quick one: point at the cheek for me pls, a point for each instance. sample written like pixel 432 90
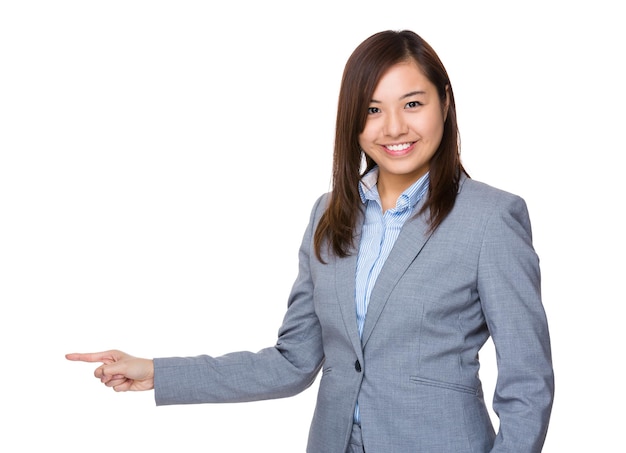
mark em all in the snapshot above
pixel 365 137
pixel 367 131
pixel 433 128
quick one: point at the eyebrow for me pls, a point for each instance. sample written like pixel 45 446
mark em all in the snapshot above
pixel 404 96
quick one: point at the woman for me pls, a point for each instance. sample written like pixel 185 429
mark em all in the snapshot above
pixel 406 269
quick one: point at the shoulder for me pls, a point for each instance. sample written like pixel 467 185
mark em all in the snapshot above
pixel 320 205
pixel 473 189
pixel 477 195
pixel 318 209
pixel 485 203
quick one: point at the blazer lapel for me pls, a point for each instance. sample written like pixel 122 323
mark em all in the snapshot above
pixel 345 284
pixel 410 242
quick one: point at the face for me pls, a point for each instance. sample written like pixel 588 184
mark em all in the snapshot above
pixel 404 125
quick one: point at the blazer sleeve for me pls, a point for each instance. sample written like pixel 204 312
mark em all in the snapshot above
pixel 510 293
pixel 282 370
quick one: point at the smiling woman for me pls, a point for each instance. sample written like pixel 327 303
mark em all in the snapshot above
pixel 406 269
pixel 403 129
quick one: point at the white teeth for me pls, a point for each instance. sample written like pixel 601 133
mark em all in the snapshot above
pixel 401 147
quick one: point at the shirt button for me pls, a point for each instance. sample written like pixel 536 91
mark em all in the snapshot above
pixel 357 366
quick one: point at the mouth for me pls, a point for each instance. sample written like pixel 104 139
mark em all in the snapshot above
pixel 399 149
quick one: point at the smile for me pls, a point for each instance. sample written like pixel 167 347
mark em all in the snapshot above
pixel 399 149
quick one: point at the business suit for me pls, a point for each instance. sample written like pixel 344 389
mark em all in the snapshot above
pixel 415 371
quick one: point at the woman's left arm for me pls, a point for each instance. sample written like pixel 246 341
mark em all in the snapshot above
pixel 509 286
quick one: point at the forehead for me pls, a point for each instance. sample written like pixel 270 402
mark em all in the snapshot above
pixel 402 75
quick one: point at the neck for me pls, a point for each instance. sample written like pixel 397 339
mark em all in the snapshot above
pixel 390 191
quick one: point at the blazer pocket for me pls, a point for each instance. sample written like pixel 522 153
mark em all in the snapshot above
pixel 444 385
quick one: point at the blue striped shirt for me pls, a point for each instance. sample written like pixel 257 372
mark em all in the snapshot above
pixel 379 234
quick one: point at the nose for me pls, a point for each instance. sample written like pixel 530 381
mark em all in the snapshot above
pixel 395 124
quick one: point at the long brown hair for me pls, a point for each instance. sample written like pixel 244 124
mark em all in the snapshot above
pixel 367 64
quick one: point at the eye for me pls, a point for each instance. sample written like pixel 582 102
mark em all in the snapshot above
pixel 413 104
pixel 373 110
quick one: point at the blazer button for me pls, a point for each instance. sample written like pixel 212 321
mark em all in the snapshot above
pixel 357 366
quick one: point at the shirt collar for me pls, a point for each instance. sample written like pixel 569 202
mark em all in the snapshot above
pixel 368 190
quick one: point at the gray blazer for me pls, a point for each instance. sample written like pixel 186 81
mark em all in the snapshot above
pixel 416 370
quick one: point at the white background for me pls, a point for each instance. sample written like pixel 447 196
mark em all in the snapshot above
pixel 158 161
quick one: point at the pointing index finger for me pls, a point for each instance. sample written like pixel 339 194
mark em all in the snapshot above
pixel 104 357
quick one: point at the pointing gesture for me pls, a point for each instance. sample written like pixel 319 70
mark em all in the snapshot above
pixel 119 370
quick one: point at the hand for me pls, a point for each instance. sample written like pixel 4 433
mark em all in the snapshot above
pixel 119 370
